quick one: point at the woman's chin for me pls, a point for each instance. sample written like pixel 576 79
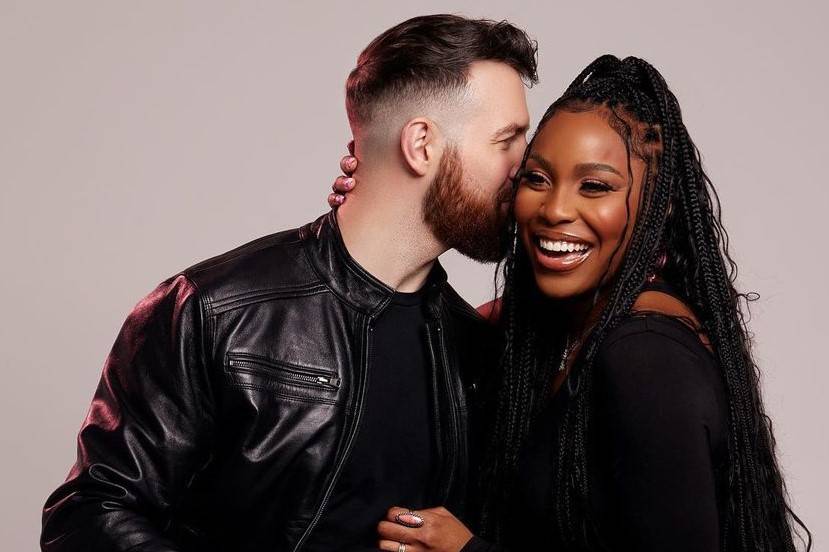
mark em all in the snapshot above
pixel 561 288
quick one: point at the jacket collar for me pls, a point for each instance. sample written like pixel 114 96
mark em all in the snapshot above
pixel 328 255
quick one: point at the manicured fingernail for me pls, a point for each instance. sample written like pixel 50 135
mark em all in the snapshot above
pixel 348 183
pixel 351 162
pixel 339 199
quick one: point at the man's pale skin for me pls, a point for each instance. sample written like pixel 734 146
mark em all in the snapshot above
pixel 399 157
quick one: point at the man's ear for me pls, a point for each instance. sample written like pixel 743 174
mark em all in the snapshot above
pixel 419 145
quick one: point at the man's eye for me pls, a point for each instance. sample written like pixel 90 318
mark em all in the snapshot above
pixel 594 186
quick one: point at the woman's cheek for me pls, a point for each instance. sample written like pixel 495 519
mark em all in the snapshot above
pixel 526 203
pixel 608 221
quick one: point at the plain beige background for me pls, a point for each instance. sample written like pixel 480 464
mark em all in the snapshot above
pixel 137 138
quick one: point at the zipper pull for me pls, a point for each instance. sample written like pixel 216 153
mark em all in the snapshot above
pixel 328 381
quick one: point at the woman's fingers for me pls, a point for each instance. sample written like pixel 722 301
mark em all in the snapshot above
pixel 390 530
pixel 348 164
pixel 335 200
pixel 394 546
pixel 394 511
pixel 343 184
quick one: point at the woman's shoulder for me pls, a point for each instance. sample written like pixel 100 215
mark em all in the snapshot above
pixel 663 298
pixel 491 311
pixel 656 357
pixel 653 374
pixel 652 332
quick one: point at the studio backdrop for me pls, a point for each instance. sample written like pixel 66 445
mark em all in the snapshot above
pixel 134 135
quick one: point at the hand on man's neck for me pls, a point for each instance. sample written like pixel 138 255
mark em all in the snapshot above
pixel 383 230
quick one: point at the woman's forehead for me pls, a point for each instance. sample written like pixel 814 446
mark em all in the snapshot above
pixel 584 136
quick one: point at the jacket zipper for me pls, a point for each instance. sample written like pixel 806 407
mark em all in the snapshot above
pixel 349 443
pixel 434 358
pixel 449 447
pixel 452 452
pixel 281 371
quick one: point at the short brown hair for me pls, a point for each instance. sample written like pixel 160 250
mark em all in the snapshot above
pixel 431 54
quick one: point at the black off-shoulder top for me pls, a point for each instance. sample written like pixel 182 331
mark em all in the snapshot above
pixel 657 454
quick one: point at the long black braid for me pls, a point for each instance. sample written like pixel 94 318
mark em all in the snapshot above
pixel 679 220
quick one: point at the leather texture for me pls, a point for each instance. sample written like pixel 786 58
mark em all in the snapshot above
pixel 231 397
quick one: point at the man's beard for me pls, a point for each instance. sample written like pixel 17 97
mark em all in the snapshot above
pixel 462 219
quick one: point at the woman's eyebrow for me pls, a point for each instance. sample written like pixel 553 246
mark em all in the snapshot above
pixel 582 168
pixel 546 165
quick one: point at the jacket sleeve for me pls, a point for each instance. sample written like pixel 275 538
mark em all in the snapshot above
pixel 145 433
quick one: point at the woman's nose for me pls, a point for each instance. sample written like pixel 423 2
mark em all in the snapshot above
pixel 559 206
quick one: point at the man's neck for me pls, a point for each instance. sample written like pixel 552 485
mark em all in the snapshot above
pixel 386 235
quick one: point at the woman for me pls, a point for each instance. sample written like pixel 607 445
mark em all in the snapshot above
pixel 627 412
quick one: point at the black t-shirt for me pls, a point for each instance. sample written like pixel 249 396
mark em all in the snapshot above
pixel 392 458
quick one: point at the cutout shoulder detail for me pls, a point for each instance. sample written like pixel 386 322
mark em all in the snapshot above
pixel 669 306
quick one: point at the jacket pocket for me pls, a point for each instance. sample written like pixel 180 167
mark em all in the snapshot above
pixel 257 372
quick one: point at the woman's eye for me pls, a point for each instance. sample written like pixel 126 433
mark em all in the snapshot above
pixel 594 186
pixel 534 180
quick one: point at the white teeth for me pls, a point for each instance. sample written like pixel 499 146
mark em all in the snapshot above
pixel 561 245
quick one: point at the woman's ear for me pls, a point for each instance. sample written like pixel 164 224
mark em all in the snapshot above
pixel 418 144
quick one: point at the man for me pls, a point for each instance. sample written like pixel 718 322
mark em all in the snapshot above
pixel 283 395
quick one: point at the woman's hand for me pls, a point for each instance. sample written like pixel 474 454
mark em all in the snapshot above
pixel 439 531
pixel 343 183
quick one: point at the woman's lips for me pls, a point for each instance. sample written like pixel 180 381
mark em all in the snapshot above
pixel 559 261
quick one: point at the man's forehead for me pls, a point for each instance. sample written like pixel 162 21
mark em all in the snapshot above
pixel 497 87
pixel 482 71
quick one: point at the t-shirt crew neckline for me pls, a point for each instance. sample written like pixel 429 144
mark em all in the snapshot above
pixel 409 298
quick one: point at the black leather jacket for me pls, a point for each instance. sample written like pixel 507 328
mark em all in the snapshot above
pixel 233 393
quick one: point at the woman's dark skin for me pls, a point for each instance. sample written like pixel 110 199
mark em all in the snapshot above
pixel 575 192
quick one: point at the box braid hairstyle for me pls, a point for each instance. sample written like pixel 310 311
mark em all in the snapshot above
pixel 678 233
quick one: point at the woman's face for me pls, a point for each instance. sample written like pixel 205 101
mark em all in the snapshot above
pixel 571 203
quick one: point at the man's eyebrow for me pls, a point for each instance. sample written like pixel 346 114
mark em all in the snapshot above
pixel 510 129
pixel 590 167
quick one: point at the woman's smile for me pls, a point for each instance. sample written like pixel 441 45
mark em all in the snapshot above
pixel 560 252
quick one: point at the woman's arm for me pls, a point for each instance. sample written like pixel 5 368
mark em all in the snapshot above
pixel 658 414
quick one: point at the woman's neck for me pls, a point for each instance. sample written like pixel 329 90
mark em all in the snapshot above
pixel 580 314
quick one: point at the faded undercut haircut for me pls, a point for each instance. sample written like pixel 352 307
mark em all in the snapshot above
pixel 428 57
